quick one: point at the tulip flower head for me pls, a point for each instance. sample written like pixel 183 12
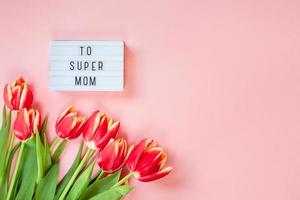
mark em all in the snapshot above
pixel 70 124
pixel 147 160
pixel 18 95
pixel 114 156
pixel 26 123
pixel 98 130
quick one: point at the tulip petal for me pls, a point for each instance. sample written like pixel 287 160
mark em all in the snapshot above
pixel 67 111
pixel 101 130
pixel 77 130
pixel 26 97
pixel 121 153
pixel 136 154
pixel 21 125
pixel 16 95
pixel 149 157
pixel 126 156
pixel 113 129
pixel 36 121
pixel 65 125
pixel 97 120
pixel 163 161
pixel 107 157
pixel 90 126
pixel 69 125
pixel 109 135
pixel 19 81
pixel 151 168
pixel 156 176
pixel 7 95
pixel 113 156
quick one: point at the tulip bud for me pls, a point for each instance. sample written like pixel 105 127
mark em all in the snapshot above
pixel 69 125
pixel 98 130
pixel 113 157
pixel 26 123
pixel 147 161
pixel 18 95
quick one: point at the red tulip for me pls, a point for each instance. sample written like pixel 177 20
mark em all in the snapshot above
pixel 98 130
pixel 18 95
pixel 26 123
pixel 69 125
pixel 147 160
pixel 113 157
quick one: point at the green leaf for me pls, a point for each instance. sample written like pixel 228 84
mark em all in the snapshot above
pixel 4 134
pixel 96 176
pixel 99 186
pixel 4 113
pixel 59 150
pixel 43 132
pixel 10 158
pixel 8 123
pixel 40 157
pixel 18 182
pixel 28 172
pixel 123 189
pixel 81 184
pixel 47 156
pixel 8 167
pixel 44 126
pixel 43 150
pixel 63 183
pixel 46 189
pixel 114 193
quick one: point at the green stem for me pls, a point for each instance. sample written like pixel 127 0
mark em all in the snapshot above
pixel 13 180
pixel 121 182
pixel 54 143
pixel 81 165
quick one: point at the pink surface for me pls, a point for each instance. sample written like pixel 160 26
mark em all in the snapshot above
pixel 215 82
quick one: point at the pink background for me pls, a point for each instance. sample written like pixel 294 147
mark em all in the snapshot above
pixel 215 82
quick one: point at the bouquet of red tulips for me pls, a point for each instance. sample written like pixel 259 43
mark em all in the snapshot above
pixel 36 166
